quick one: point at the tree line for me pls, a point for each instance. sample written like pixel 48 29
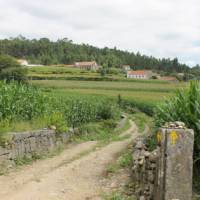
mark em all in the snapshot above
pixel 64 51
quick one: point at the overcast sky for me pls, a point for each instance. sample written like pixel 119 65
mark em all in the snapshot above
pixel 162 28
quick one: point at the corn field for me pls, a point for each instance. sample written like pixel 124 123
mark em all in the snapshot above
pixel 24 102
pixel 185 107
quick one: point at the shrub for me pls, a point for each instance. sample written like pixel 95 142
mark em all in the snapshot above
pixel 107 110
pixel 11 70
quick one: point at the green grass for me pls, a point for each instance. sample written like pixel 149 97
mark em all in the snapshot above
pixel 25 107
pixel 142 120
pixel 105 85
pixel 125 127
pixel 103 131
pixel 124 160
pixel 78 102
pixel 144 94
pixel 64 72
pixel 117 196
pixel 137 92
pixel 70 73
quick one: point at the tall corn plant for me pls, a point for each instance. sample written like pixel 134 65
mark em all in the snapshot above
pixel 185 107
pixel 21 102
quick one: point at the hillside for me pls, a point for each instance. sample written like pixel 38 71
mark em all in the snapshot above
pixel 64 51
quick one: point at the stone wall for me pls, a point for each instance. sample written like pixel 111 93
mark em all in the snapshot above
pixel 144 170
pixel 165 173
pixel 30 143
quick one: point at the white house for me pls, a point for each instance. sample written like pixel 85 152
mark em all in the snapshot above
pixel 139 74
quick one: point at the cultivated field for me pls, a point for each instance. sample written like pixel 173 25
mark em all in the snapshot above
pixel 71 82
pixel 68 72
pixel 145 91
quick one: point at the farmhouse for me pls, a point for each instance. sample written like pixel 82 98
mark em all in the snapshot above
pixel 140 74
pixel 92 65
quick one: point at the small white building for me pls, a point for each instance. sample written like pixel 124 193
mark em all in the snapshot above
pixel 126 67
pixel 23 62
pixel 139 74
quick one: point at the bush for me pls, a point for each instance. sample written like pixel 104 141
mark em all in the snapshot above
pixel 107 110
pixel 185 107
pixel 11 70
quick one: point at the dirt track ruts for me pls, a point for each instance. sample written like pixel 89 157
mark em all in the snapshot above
pixel 68 176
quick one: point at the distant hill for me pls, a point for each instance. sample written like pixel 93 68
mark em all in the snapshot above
pixel 64 51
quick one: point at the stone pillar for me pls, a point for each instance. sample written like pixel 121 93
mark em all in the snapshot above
pixel 175 164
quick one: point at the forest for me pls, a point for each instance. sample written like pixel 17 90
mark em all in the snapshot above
pixel 65 51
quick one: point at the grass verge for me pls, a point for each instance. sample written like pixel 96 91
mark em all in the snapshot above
pixel 124 160
pixel 117 196
pixel 142 120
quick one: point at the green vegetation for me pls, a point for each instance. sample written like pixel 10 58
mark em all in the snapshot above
pixel 10 69
pixel 138 93
pixel 67 72
pixel 64 51
pixel 142 121
pixel 185 107
pixel 104 131
pixel 18 101
pixel 124 161
pixel 117 196
pixel 23 106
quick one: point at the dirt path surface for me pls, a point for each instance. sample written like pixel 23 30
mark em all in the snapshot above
pixel 76 174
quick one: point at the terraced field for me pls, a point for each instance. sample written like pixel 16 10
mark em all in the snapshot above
pixel 147 91
pixel 66 81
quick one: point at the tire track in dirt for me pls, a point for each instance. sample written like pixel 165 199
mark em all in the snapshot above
pixel 62 177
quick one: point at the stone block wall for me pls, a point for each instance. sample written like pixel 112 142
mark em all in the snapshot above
pixel 165 173
pixel 31 143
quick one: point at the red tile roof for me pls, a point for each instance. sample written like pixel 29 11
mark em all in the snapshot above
pixel 138 72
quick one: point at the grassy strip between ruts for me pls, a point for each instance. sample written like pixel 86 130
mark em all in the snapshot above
pixel 117 196
pixel 105 131
pixel 142 121
pixel 124 161
pixel 125 158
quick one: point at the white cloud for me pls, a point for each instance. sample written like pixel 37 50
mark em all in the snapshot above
pixel 160 28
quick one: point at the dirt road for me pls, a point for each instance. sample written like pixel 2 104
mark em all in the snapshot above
pixel 75 174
